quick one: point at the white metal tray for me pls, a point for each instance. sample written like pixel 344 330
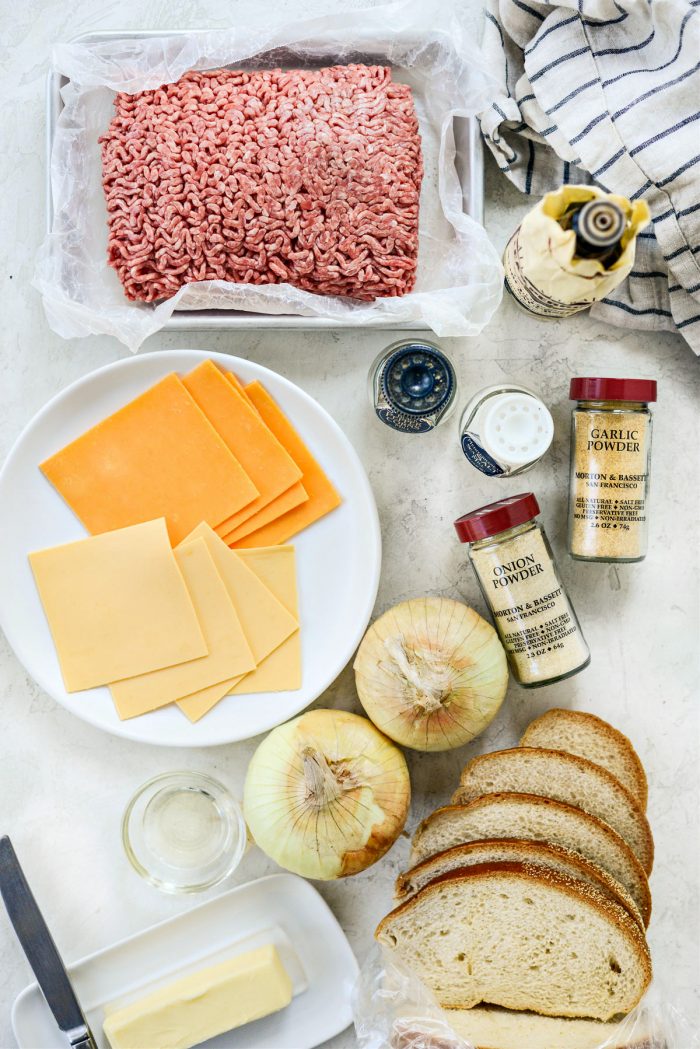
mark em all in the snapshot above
pixel 280 909
pixel 469 165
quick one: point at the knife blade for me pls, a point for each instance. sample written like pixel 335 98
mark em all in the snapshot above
pixel 40 949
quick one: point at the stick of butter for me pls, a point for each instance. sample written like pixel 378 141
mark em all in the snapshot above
pixel 206 1003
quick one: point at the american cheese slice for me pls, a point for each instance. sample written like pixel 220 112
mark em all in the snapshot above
pixel 117 605
pixel 323 496
pixel 294 496
pixel 266 622
pixel 158 456
pixel 282 670
pixel 195 706
pixel 229 654
pixel 194 1008
pixel 271 469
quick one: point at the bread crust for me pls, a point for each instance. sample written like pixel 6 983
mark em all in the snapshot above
pixel 583 894
pixel 628 754
pixel 534 852
pixel 640 893
pixel 562 759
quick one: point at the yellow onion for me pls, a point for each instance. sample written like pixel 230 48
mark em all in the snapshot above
pixel 431 673
pixel 326 795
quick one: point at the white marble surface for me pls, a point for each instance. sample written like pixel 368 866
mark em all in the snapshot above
pixel 63 785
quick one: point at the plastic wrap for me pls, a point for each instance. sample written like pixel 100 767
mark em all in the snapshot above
pixel 459 282
pixel 393 1009
pixel 655 1024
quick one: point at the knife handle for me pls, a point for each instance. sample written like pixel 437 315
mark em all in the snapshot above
pixel 85 1041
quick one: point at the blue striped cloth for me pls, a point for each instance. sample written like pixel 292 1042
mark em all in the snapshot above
pixel 608 91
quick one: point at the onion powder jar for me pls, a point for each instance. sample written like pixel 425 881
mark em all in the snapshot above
pixel 531 610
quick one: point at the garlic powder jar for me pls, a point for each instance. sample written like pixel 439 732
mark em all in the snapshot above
pixel 531 610
pixel 610 457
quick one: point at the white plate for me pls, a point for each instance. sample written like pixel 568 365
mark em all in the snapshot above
pixel 338 557
pixel 281 908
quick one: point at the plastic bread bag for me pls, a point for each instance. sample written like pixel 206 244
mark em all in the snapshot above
pixel 656 1023
pixel 459 279
pixel 393 1009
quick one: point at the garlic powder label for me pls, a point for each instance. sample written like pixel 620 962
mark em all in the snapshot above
pixel 609 484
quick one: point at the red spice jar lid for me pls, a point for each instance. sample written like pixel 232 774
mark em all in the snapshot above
pixel 497 517
pixel 590 388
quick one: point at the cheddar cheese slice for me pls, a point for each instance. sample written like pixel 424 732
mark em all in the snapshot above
pixel 271 469
pixel 281 671
pixel 158 456
pixel 117 605
pixel 237 385
pixel 294 496
pixel 228 651
pixel 323 496
pixel 265 621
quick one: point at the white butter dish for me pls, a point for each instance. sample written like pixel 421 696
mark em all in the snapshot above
pixel 281 909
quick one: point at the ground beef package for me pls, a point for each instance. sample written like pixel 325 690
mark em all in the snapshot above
pixel 303 168
pixel 309 177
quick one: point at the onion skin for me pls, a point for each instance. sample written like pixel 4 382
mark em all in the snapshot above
pixel 431 673
pixel 326 795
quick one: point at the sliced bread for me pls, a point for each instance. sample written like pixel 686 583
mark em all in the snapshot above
pixel 488 1027
pixel 521 937
pixel 537 819
pixel 540 853
pixel 590 737
pixel 563 777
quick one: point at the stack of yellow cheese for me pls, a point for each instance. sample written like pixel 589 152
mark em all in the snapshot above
pixel 160 626
pixel 191 449
pixel 186 591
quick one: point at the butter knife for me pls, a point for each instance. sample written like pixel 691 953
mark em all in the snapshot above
pixel 41 951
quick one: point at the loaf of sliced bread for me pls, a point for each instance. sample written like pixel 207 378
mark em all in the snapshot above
pixel 488 1027
pixel 563 777
pixel 590 737
pixel 522 937
pixel 540 853
pixel 537 819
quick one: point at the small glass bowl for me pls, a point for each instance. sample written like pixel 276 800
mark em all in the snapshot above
pixel 183 832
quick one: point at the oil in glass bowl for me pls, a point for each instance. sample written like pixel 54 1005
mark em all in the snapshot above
pixel 183 832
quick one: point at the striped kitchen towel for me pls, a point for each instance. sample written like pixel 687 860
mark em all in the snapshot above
pixel 608 91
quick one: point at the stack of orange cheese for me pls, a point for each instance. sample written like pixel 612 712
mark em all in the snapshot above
pixel 186 590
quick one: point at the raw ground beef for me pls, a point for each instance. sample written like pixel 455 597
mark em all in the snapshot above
pixel 306 176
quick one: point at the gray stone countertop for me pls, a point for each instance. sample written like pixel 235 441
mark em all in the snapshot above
pixel 64 784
